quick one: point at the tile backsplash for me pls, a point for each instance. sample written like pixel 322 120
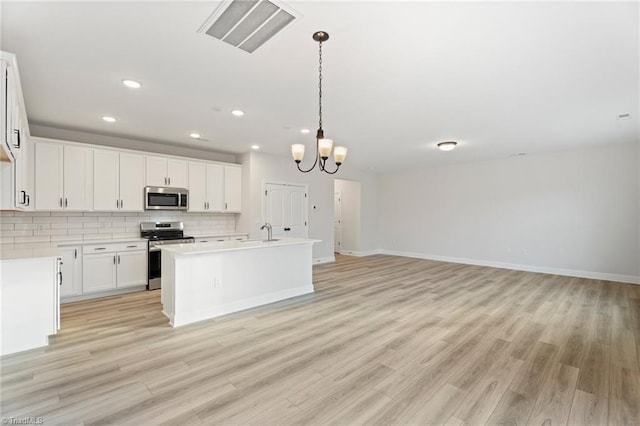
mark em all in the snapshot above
pixel 32 227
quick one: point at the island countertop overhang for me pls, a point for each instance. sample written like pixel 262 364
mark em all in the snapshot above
pixel 223 246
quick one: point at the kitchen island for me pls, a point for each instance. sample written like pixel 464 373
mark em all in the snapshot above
pixel 207 280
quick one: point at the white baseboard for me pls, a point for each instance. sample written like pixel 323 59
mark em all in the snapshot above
pixel 327 259
pixel 360 253
pixel 87 296
pixel 629 279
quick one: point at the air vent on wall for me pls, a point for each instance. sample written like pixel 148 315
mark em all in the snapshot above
pixel 247 24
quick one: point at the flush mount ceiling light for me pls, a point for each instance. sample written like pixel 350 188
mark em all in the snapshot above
pixel 132 84
pixel 447 146
pixel 195 135
pixel 305 131
pixel 237 113
pixel 108 119
pixel 323 145
pixel 255 147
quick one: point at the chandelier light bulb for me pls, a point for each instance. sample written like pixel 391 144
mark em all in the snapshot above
pixel 297 150
pixel 339 154
pixel 324 147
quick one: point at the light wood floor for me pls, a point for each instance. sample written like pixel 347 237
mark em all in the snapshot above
pixel 385 340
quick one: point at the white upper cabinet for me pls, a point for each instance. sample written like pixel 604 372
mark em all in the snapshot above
pixel 177 173
pixel 118 181
pixel 17 149
pixel 163 171
pixel 197 186
pixel 78 178
pixel 106 172
pixel 49 170
pixel 63 177
pixel 214 188
pixel 232 189
pixel 131 182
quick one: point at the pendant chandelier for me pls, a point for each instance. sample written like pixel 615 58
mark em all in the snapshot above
pixel 323 145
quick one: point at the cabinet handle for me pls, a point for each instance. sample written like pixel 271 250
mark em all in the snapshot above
pixel 75 253
pixel 100 248
pixel 114 260
pixel 118 259
pixel 225 206
pixel 24 198
pixel 60 201
pixel 65 201
pixel 165 180
pixel 287 229
pixel 28 200
pixel 169 180
pixel 132 246
pixel 60 276
pixel 17 132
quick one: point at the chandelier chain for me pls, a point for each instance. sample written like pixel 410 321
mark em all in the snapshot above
pixel 320 85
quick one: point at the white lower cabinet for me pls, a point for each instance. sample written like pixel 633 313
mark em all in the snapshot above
pixel 132 268
pixel 71 271
pixel 113 266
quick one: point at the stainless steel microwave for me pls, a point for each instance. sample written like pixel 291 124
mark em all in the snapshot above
pixel 164 198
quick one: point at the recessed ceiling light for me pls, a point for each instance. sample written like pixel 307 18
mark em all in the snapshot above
pixel 305 131
pixel 237 113
pixel 132 84
pixel 108 119
pixel 447 146
pixel 195 135
pixel 255 147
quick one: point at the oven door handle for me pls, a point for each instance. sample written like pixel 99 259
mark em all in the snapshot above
pixel 154 249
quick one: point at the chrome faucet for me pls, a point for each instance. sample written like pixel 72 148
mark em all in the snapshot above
pixel 269 230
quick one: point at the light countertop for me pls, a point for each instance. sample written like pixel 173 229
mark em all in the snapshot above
pixel 222 246
pixel 51 249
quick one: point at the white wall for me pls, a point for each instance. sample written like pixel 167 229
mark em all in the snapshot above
pixel 574 213
pixel 351 215
pixel 260 167
pixel 126 143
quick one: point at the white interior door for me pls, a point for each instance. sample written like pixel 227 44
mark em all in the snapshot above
pixel 337 222
pixel 286 208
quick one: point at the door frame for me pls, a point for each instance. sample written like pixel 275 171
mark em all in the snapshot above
pixel 266 182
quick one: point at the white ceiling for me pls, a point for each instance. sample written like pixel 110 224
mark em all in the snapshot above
pixel 499 77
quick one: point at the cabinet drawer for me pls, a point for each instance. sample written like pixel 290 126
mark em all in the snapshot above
pixel 211 239
pixel 114 247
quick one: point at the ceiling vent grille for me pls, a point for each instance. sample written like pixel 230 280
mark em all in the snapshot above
pixel 247 24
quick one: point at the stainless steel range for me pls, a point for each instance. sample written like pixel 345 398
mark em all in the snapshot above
pixel 158 234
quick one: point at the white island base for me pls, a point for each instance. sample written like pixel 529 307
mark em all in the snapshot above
pixel 206 280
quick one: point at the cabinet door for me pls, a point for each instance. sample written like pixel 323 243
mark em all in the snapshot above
pixel 23 174
pixel 49 176
pixel 78 178
pixel 132 268
pixel 98 272
pixel 105 180
pixel 197 186
pixel 71 276
pixel 177 172
pixel 215 187
pixel 232 188
pixel 131 182
pixel 156 171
